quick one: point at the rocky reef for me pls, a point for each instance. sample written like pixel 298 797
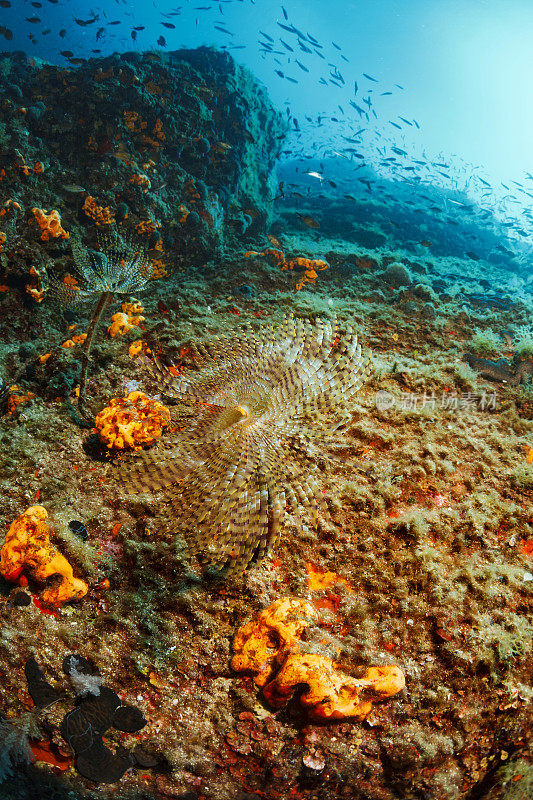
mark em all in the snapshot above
pixel 415 566
pixel 183 142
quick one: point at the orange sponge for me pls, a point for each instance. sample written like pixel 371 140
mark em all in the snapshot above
pixel 133 309
pixel 309 265
pixel 131 422
pixel 269 636
pixel 27 549
pixel 331 694
pixel 268 647
pixel 101 215
pixel 14 399
pixel 120 323
pixel 124 321
pixel 50 224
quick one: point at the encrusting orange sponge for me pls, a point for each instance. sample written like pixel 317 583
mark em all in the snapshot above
pixel 131 422
pixel 332 695
pixel 138 347
pixel 14 399
pixel 50 224
pixel 27 549
pixel 268 646
pixel 123 321
pixel 309 265
pixel 276 629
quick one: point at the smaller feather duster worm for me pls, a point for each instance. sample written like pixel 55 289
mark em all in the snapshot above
pixel 120 266
pixel 231 470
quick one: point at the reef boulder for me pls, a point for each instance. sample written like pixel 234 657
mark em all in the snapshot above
pixel 183 142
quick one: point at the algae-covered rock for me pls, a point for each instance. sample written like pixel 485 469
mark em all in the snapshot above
pixel 181 143
pixel 397 275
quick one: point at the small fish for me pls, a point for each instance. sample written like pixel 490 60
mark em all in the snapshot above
pixel 307 220
pixel 99 33
pixel 33 20
pixel 168 25
pixel 275 241
pixel 73 188
pixel 162 42
pixel 315 175
pixel 366 182
pixel 370 78
pixel 5 4
pixel 125 157
pixel 288 28
pixel 425 243
pixel 66 53
pixel 85 22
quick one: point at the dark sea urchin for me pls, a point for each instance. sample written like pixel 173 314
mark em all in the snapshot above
pixel 230 466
